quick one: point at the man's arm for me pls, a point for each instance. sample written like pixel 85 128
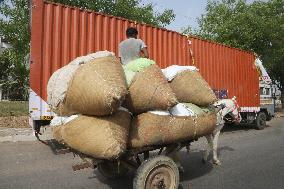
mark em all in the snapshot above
pixel 144 49
pixel 145 52
pixel 119 52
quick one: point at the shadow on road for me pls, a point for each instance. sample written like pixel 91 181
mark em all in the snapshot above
pixel 193 168
pixel 238 127
pixel 125 181
pixel 225 148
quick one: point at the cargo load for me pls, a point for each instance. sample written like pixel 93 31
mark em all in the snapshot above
pixel 171 71
pixel 102 137
pixel 196 110
pixel 57 134
pixel 181 110
pixel 57 87
pixel 189 86
pixel 134 66
pixel 60 79
pixel 150 90
pixel 139 64
pixel 97 87
pixel 129 75
pixel 57 124
pixel 150 129
pixel 188 109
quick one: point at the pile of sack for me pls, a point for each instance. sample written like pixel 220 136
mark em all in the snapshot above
pixel 103 108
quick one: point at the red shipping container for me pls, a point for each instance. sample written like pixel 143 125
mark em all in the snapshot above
pixel 60 33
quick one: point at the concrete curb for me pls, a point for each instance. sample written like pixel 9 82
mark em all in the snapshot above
pixel 22 135
pixel 279 114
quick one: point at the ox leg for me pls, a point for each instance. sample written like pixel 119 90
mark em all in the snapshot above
pixel 208 148
pixel 215 145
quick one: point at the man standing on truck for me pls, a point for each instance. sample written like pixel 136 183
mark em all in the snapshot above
pixel 131 48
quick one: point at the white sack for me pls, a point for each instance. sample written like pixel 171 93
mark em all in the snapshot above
pixel 58 120
pixel 124 109
pixel 171 71
pixel 58 84
pixel 89 57
pixel 158 112
pixel 181 110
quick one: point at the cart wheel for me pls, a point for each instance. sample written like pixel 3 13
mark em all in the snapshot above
pixel 112 169
pixel 158 172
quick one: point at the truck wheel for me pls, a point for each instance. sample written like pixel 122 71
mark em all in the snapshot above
pixel 157 173
pixel 112 170
pixel 260 120
pixel 268 118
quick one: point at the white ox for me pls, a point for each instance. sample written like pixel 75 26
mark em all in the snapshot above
pixel 225 108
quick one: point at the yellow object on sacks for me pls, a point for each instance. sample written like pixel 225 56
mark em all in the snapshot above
pixel 129 75
pixel 139 64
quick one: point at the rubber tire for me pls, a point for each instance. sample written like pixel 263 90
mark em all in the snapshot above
pixel 260 121
pixel 149 165
pixel 268 117
pixel 112 170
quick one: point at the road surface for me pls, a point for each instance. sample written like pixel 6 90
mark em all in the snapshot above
pixel 250 159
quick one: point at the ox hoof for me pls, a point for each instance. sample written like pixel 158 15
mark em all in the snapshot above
pixel 217 162
pixel 204 160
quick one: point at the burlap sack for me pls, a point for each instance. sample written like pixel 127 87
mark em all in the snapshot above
pixel 97 88
pixel 100 137
pixel 56 132
pixel 189 86
pixel 150 129
pixel 150 90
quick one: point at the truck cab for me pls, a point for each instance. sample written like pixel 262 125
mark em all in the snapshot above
pixel 267 99
pixel 267 96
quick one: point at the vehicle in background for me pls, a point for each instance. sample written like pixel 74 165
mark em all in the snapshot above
pixel 267 92
pixel 61 33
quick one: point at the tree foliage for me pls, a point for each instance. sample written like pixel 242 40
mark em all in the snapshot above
pixel 14 28
pixel 258 26
pixel 129 9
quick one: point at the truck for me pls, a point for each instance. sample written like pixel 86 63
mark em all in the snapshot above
pixel 267 91
pixel 61 33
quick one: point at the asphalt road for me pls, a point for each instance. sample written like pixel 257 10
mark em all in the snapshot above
pixel 250 159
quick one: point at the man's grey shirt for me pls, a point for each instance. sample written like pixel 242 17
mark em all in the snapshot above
pixel 130 49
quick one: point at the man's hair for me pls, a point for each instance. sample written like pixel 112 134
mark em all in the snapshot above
pixel 131 32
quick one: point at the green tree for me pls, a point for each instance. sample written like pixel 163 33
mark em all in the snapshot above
pixel 14 27
pixel 258 27
pixel 129 9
